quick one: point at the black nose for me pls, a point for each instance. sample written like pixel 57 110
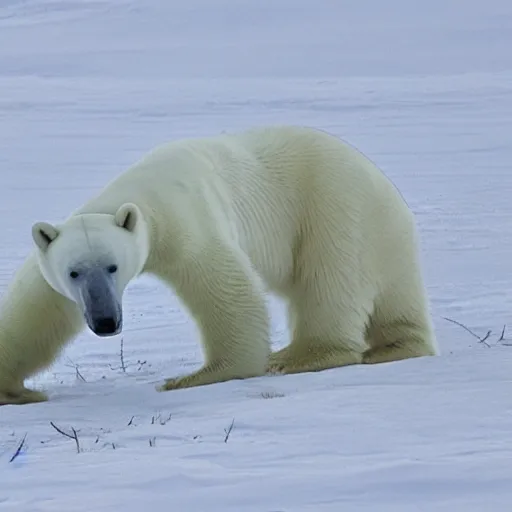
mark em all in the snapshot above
pixel 107 325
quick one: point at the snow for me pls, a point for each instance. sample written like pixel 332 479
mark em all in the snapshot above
pixel 425 90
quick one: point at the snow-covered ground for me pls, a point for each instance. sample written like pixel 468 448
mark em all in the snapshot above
pixel 425 90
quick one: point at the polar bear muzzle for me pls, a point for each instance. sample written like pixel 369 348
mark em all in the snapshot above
pixel 100 304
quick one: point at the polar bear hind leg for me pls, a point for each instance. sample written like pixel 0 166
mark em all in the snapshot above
pixel 320 340
pixel 400 328
pixel 327 322
pixel 399 340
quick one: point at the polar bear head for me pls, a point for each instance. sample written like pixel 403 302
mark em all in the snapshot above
pixel 91 258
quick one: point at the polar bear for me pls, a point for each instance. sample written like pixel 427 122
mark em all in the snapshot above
pixel 223 220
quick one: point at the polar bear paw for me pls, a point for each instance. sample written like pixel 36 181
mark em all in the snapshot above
pixel 302 359
pixel 209 374
pixel 22 396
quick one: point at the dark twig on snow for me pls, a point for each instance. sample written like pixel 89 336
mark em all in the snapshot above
pixel 228 430
pixel 77 371
pixel 152 442
pixel 65 434
pixel 158 417
pixel 480 339
pixel 121 356
pixel 141 364
pixel 131 421
pixel 502 340
pixel 79 375
pixel 125 366
pixel 18 450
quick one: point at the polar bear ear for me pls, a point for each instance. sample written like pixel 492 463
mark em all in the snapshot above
pixel 128 216
pixel 44 234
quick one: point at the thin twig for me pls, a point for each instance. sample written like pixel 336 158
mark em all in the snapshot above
pixel 463 326
pixel 502 336
pixel 124 366
pixel 18 450
pixel 121 354
pixel 164 421
pixel 74 436
pixel 480 339
pixel 79 375
pixel 77 371
pixel 228 430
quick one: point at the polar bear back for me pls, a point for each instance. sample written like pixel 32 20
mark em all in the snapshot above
pixel 262 188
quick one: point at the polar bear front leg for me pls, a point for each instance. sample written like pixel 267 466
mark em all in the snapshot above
pixel 36 322
pixel 226 298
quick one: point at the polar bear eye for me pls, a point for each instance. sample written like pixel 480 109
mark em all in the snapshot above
pixel 112 269
pixel 73 274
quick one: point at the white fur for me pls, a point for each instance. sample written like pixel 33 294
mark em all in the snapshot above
pixel 290 210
